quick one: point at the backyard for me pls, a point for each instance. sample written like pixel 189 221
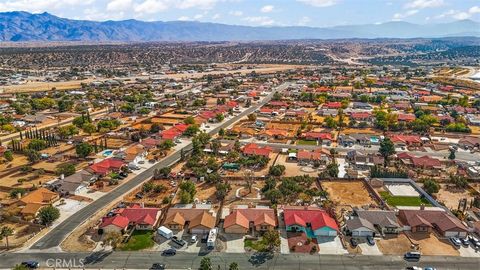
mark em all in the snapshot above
pixel 138 241
pixel 352 193
pixel 403 200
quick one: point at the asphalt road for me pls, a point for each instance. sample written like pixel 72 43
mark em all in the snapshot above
pixel 143 260
pixel 56 236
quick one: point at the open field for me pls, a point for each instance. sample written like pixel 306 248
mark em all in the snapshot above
pixel 394 245
pixel 352 193
pixel 451 195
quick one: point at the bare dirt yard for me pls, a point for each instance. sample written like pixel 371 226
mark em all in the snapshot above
pixel 352 193
pixel 293 169
pixel 394 244
pixel 450 195
pixel 430 244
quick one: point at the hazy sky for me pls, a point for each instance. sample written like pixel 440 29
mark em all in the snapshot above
pixel 257 12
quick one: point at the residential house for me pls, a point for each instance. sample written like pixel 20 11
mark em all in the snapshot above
pixel 31 203
pixel 198 221
pixel 243 221
pixel 424 163
pixel 319 156
pixel 425 221
pixel 253 149
pixel 174 132
pixel 75 183
pixel 406 117
pixel 406 140
pixel 371 222
pixel 106 166
pixel 469 142
pixel 361 117
pixel 321 137
pixel 150 143
pixel 364 160
pixel 140 218
pixel 362 106
pixel 310 220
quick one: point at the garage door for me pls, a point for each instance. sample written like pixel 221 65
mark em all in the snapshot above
pixel 327 233
pixel 362 233
pixel 455 234
pixel 198 231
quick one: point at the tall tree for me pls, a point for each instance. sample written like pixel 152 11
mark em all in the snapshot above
pixel 6 232
pixel 387 149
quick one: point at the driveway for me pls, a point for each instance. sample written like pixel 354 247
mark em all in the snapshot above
pixel 468 252
pixel 330 245
pixel 284 249
pixel 234 243
pixel 342 171
pixel 369 250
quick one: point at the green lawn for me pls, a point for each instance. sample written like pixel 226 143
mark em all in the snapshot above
pixel 139 240
pixel 403 200
pixel 304 142
pixel 258 245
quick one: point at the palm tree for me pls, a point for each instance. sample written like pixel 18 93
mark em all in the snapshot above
pixel 5 232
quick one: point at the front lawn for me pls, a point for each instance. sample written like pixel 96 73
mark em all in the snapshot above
pixel 305 142
pixel 138 241
pixel 257 245
pixel 403 200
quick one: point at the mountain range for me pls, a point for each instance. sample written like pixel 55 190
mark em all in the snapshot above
pixel 19 26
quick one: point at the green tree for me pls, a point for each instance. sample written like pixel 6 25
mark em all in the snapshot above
pixel 48 214
pixel 276 170
pixel 32 155
pixel 166 145
pixel 6 232
pixel 66 169
pixel 83 149
pixel 330 122
pixel 8 155
pixel 252 117
pixel 272 238
pixel 67 131
pixel 89 128
pixel 37 144
pixel 191 130
pixel 233 266
pixel 451 156
pixel 431 186
pixel 219 117
pixel 20 267
pixel 206 264
pixel 332 170
pixel 387 149
pixel 147 187
pixel 189 120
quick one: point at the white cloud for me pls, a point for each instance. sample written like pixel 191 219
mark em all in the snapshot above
pixel 184 18
pixel 236 13
pixel 420 4
pixel 267 9
pixel 319 3
pixel 216 16
pixel 198 16
pixel 41 5
pixel 151 6
pixel 304 21
pixel 399 16
pixel 458 14
pixel 259 20
pixel 119 5
pixel 202 4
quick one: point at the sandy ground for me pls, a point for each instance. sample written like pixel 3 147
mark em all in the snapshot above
pixel 351 193
pixel 431 245
pixel 292 168
pixel 394 245
pixel 451 196
pixel 68 85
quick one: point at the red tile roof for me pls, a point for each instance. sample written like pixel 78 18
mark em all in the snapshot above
pixel 333 105
pixel 119 221
pixel 254 149
pixel 318 135
pixel 136 215
pixel 107 165
pixel 318 218
pixel 360 115
pixel 406 139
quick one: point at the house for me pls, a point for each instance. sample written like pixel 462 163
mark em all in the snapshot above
pixel 253 149
pixel 364 160
pixel 406 140
pixel 135 153
pixel 75 183
pixel 469 142
pixel 140 218
pixel 36 200
pixel 273 133
pixel 106 166
pixel 310 220
pixel 198 221
pixel 321 137
pixel 370 222
pixel 406 117
pixel 361 116
pixel 362 105
pixel 150 143
pixel 426 221
pixel 243 221
pixel 320 156
pixel 174 132
pixel 424 162
pixel 332 105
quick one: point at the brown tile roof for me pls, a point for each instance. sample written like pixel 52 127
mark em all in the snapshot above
pixel 195 216
pixel 41 195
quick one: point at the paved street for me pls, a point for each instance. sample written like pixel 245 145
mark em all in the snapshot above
pixel 143 260
pixel 58 234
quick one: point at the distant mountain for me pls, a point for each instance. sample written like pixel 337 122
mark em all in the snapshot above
pixel 24 26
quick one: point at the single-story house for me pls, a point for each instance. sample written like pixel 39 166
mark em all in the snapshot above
pixel 369 222
pixel 242 221
pixel 311 220
pixel 142 218
pixel 198 221
pixel 423 220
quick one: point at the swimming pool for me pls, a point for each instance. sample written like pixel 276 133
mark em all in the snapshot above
pixel 107 153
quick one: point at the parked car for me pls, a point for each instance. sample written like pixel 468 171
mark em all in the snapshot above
pixel 353 242
pixel 169 252
pixel 204 238
pixel 157 266
pixel 139 195
pixel 455 241
pixel 412 255
pixel 474 241
pixel 413 268
pixel 465 242
pixel 193 239
pixel 370 241
pixel 31 264
pixel 124 174
pixel 429 268
pixel 179 242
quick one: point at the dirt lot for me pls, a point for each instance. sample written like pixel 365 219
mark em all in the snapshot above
pixel 22 232
pixel 292 168
pixel 394 245
pixel 451 195
pixel 206 192
pixel 262 172
pixel 351 193
pixel 431 245
pixel 151 198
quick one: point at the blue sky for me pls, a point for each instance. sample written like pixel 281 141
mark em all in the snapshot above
pixel 316 13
